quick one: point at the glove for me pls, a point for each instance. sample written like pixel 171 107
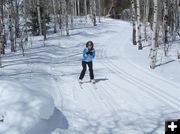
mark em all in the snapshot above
pixel 91 53
pixel 88 52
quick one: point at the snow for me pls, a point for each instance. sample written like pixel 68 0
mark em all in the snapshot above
pixel 40 94
pixel 22 107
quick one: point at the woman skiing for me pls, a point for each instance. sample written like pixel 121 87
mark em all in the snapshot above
pixel 87 59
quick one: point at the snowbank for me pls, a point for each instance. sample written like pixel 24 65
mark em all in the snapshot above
pixel 21 108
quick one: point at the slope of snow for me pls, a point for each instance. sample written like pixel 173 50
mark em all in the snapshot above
pixel 22 107
pixel 128 97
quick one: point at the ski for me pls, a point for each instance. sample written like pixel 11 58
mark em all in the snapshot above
pixel 93 84
pixel 80 84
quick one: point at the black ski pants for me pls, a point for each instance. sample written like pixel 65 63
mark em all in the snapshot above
pixel 90 65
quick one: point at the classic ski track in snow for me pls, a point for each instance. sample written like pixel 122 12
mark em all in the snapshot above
pixel 123 93
pixel 144 86
pixel 155 76
pixel 108 89
pixel 111 96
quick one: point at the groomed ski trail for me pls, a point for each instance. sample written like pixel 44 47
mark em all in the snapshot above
pixel 127 99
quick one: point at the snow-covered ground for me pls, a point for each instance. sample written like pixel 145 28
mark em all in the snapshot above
pixel 40 94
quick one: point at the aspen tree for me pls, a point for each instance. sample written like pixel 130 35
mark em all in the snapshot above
pixel 72 13
pixel 55 16
pixel 78 8
pixel 39 17
pixel 11 30
pixel 165 26
pixel 146 15
pixel 67 18
pixel 134 22
pixel 138 25
pixel 85 7
pixel 153 50
pixel 2 27
pixel 99 10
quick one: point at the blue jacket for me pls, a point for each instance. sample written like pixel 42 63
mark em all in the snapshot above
pixel 87 57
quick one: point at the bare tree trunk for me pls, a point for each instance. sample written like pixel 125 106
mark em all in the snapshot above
pixel 99 10
pixel 85 7
pixel 25 19
pixel 138 25
pixel 44 29
pixel 134 22
pixel 111 10
pixel 153 52
pixel 146 10
pixel 179 15
pixel 93 11
pixel 1 49
pixel 75 7
pixel 2 28
pixel 60 16
pixel 165 27
pixel 175 16
pixel 17 19
pixel 78 8
pixel 55 16
pixel 72 12
pixel 11 31
pixel 44 13
pixel 67 18
pixel 39 17
pixel 90 8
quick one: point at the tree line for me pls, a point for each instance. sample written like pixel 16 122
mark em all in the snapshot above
pixel 20 18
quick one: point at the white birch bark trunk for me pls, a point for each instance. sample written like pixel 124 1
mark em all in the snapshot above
pixel 11 30
pixel 165 27
pixel 60 16
pixel 17 19
pixel 138 25
pixel 55 16
pixel 175 19
pixel 179 14
pixel 39 17
pixel 91 7
pixel 153 52
pixel 2 27
pixel 75 7
pixel 25 20
pixel 67 18
pixel 146 9
pixel 72 13
pixel 1 49
pixel 1 45
pixel 85 7
pixel 93 11
pixel 78 8
pixel 99 10
pixel 134 22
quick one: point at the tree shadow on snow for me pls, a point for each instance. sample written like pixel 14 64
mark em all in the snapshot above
pixel 125 121
pixel 162 64
pixel 56 121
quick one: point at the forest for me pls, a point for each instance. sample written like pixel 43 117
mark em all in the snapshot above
pixel 89 66
pixel 20 19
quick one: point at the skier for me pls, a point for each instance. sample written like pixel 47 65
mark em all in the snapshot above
pixel 87 59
